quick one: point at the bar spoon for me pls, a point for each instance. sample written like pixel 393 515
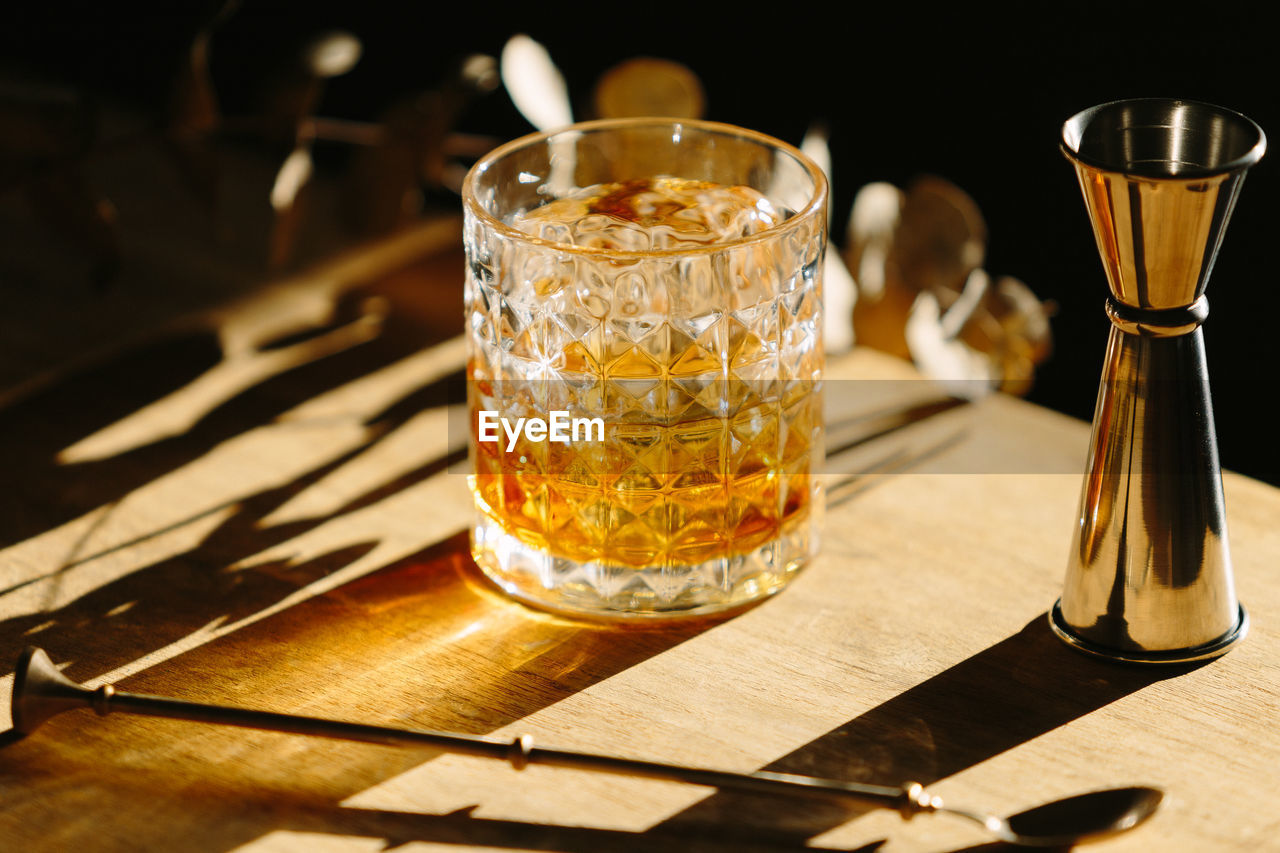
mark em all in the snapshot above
pixel 40 691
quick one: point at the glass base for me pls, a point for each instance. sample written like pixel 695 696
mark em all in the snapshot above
pixel 617 591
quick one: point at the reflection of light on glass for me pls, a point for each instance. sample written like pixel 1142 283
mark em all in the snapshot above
pixel 528 178
pixel 1180 119
pixel 676 133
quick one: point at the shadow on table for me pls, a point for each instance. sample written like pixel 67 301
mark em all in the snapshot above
pixel 424 643
pixel 47 491
pixel 1000 698
pixel 483 662
pixel 127 617
pixel 127 614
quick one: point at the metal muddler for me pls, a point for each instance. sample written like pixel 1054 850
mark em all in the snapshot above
pixel 40 691
pixel 1149 576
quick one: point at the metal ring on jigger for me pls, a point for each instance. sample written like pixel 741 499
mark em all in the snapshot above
pixel 1164 323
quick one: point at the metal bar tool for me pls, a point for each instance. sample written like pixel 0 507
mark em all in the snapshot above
pixel 1149 576
pixel 40 691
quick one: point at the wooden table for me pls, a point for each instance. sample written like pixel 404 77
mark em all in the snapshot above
pixel 201 515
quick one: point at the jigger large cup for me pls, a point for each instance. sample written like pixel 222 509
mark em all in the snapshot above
pixel 1149 577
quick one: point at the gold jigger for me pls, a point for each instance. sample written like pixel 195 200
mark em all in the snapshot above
pixel 1149 577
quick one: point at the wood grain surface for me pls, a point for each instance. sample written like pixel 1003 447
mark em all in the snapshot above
pixel 265 507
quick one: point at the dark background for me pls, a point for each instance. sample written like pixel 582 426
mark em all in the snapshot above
pixel 904 90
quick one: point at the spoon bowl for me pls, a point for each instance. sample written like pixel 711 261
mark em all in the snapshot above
pixel 1062 823
pixel 1082 818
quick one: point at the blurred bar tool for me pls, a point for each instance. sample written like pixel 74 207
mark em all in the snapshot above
pixel 1149 577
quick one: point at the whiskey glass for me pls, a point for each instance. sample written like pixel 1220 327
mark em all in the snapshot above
pixel 700 360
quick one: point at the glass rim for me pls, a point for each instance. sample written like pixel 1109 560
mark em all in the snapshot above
pixel 816 204
pixel 1073 131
